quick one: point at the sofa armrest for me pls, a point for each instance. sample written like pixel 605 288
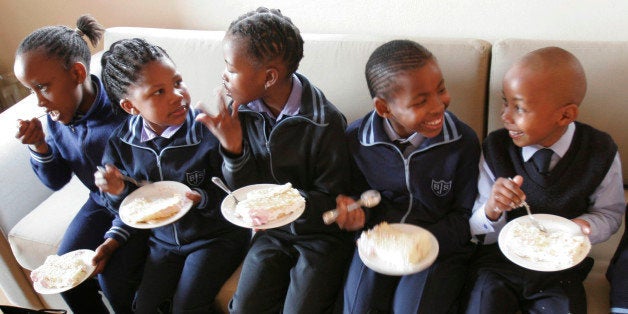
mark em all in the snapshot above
pixel 21 192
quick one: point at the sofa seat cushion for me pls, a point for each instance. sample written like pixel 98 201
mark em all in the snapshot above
pixel 39 233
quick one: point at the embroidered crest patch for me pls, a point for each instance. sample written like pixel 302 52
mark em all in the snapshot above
pixel 441 187
pixel 195 178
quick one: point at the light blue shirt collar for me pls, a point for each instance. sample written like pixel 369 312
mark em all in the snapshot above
pixel 291 108
pixel 415 138
pixel 148 134
pixel 560 147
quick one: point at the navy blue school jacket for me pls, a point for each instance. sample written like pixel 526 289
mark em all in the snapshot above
pixel 434 187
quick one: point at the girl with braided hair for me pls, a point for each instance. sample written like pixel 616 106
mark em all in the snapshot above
pixel 280 128
pixel 423 161
pixel 53 62
pixel 189 260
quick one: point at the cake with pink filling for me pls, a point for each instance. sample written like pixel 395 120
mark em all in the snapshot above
pixel 266 205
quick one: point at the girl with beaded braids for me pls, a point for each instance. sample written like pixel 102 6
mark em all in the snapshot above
pixel 53 62
pixel 190 259
pixel 423 161
pixel 280 128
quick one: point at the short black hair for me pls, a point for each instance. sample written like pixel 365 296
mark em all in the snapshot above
pixel 64 43
pixel 269 35
pixel 390 59
pixel 122 64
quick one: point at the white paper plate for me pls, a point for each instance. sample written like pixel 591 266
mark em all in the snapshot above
pixel 228 209
pixel 379 264
pixel 86 256
pixel 552 223
pixel 161 189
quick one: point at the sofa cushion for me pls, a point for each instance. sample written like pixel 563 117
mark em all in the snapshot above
pixel 39 233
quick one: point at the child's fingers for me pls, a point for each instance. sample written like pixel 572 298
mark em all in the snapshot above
pixel 584 225
pixel 194 196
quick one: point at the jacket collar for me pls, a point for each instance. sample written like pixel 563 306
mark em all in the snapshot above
pixel 371 132
pixel 132 132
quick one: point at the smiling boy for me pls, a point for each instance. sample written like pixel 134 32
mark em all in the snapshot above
pixel 582 182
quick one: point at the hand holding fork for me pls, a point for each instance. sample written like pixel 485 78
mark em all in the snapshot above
pixel 109 179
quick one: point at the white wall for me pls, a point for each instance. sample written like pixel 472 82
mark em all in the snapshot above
pixel 486 19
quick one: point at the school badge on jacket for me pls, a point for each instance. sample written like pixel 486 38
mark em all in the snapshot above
pixel 195 178
pixel 441 187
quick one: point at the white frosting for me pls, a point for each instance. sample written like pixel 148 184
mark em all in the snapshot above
pixel 557 248
pixel 146 210
pixel 265 205
pixel 60 271
pixel 392 246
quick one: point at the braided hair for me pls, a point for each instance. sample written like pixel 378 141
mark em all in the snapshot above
pixel 269 35
pixel 122 64
pixel 389 60
pixel 64 43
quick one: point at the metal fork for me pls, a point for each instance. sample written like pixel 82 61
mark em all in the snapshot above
pixel 127 178
pixel 535 222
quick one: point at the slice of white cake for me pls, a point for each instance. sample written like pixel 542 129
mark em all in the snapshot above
pixel 265 205
pixel 392 246
pixel 60 271
pixel 147 210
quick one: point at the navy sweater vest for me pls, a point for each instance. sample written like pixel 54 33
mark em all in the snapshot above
pixel 565 191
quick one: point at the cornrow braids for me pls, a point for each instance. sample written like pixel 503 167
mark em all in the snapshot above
pixel 64 43
pixel 122 64
pixel 390 59
pixel 270 35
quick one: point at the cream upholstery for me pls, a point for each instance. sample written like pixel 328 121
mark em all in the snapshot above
pixel 33 219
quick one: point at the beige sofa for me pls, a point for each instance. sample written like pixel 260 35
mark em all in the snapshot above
pixel 33 218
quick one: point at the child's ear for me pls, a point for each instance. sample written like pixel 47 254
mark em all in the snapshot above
pixel 78 72
pixel 272 74
pixel 569 114
pixel 381 107
pixel 127 106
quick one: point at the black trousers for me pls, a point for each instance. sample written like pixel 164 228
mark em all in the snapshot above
pixel 496 285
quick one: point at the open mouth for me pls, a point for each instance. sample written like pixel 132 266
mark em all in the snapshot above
pixel 515 134
pixel 54 115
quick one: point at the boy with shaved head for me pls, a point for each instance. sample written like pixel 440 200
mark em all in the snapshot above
pixel 558 166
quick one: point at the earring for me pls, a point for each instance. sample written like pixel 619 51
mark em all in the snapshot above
pixel 133 111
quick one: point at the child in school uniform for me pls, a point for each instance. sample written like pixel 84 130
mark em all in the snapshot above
pixel 190 259
pixel 423 161
pixel 617 275
pixel 280 128
pixel 580 179
pixel 53 62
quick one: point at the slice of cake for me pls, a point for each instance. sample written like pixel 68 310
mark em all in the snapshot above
pixel 60 271
pixel 147 210
pixel 392 246
pixel 269 204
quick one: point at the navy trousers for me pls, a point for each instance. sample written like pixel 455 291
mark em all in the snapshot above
pixel 285 273
pixel 86 231
pixel 496 285
pixel 189 276
pixel 617 275
pixel 433 290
